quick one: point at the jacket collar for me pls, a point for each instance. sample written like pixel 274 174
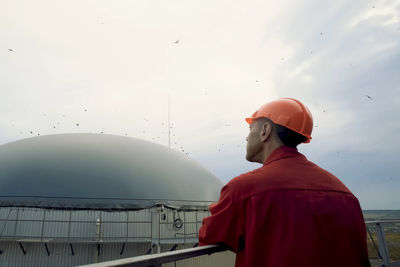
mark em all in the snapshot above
pixel 281 153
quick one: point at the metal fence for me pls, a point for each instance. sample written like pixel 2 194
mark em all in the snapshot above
pixel 156 225
pixel 48 237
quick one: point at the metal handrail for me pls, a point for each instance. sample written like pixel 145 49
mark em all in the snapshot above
pixel 161 258
pixel 383 250
pixel 384 221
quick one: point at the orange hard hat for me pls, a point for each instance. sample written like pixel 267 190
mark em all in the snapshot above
pixel 287 112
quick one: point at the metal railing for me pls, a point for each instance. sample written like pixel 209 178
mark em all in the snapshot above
pixel 156 260
pixel 382 248
pixel 147 227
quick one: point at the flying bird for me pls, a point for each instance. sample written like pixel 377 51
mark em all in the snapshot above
pixel 11 50
pixel 176 42
pixel 368 97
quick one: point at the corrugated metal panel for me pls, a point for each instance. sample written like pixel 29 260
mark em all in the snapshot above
pixel 139 225
pixel 114 226
pixel 191 224
pixel 167 229
pixel 30 222
pixel 36 255
pixel 60 254
pixel 187 233
pixel 83 254
pixel 113 251
pixel 83 225
pixel 57 224
pixel 7 223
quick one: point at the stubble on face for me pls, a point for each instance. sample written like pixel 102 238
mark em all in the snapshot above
pixel 254 144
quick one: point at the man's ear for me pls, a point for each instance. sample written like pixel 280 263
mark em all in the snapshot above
pixel 266 131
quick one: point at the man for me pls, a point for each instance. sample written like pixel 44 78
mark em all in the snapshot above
pixel 289 212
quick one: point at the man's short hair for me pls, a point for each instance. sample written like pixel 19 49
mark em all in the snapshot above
pixel 287 136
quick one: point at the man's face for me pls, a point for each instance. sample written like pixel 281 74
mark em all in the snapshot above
pixel 254 144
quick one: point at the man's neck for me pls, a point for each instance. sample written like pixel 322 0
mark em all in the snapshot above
pixel 269 148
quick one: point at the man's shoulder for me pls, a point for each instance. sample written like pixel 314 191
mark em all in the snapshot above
pixel 246 181
pixel 286 174
pixel 243 178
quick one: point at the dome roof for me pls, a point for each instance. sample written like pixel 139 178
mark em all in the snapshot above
pixel 96 171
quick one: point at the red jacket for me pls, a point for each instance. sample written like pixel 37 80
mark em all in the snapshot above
pixel 289 212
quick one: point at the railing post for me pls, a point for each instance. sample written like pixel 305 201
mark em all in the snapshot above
pixel 98 229
pixel 43 223
pixel 16 222
pixel 184 227
pixel 159 232
pixel 127 227
pixel 383 249
pixel 98 239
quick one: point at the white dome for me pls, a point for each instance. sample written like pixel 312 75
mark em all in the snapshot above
pixel 96 171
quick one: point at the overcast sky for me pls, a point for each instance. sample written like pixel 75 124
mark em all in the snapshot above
pixel 109 66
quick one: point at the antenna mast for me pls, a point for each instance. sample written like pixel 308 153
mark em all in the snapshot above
pixel 169 122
